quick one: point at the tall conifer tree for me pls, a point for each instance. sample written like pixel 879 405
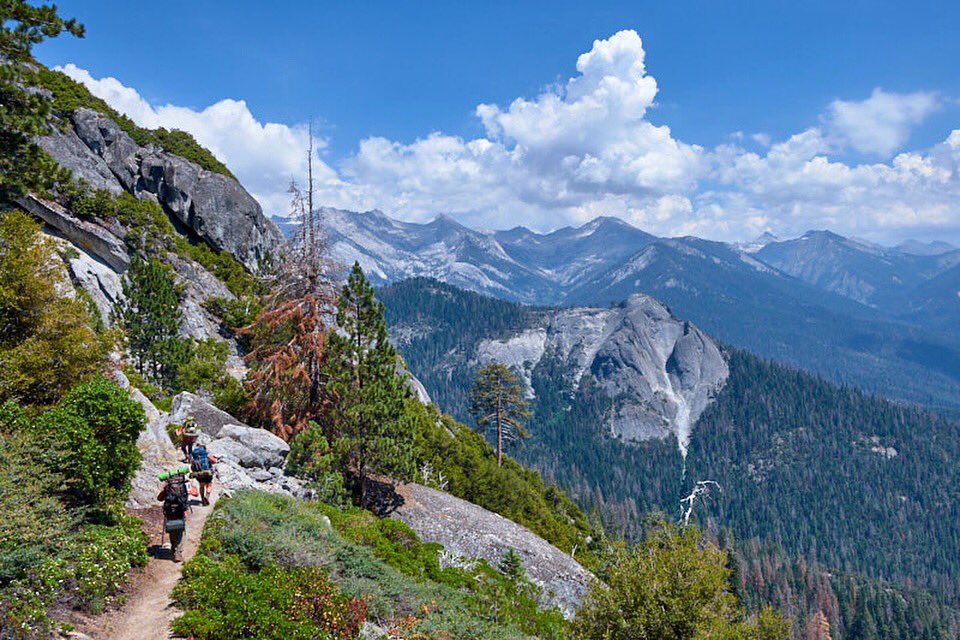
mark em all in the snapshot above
pixel 150 314
pixel 365 417
pixel 497 403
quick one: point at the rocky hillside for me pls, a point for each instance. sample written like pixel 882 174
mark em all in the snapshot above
pixel 661 372
pixel 471 532
pixel 207 205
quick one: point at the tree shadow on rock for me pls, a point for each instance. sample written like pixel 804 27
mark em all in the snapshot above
pixel 381 496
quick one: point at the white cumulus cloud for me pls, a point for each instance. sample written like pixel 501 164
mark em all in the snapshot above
pixel 586 147
pixel 882 123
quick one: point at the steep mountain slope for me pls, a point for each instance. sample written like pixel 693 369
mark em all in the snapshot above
pixel 746 303
pixel 389 250
pixel 570 256
pixel 936 302
pixel 726 289
pixel 862 484
pixel 657 372
pixel 857 270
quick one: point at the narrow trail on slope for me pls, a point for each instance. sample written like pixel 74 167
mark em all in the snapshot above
pixel 148 611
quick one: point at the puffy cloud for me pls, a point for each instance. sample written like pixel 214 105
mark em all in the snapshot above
pixel 585 147
pixel 881 124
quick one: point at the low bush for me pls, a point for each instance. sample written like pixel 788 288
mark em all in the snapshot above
pixel 65 540
pixel 93 432
pixel 225 600
pixel 255 537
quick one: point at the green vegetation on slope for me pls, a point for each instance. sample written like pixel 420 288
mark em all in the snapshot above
pixel 271 547
pixel 803 463
pixel 69 95
pixel 673 584
pixel 65 540
pixel 861 484
pixel 46 343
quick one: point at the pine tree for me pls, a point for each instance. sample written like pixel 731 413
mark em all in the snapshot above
pixel 151 316
pixel 25 114
pixel 497 402
pixel 864 627
pixel 511 565
pixel 365 418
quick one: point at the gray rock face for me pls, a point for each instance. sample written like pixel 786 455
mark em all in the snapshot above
pixel 89 236
pixel 270 451
pixel 248 458
pixel 71 152
pixel 208 417
pixel 665 370
pixel 214 207
pixel 158 453
pixel 661 372
pixel 110 142
pixel 466 530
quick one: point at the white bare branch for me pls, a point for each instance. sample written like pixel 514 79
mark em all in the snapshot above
pixel 701 490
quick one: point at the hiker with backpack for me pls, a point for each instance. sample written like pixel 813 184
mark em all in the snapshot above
pixel 201 468
pixel 188 434
pixel 175 497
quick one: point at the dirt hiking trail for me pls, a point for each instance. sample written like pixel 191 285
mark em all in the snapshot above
pixel 148 611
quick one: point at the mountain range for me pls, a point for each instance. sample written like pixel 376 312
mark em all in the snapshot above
pixel 881 318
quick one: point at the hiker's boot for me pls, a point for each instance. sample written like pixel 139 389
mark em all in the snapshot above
pixel 178 556
pixel 204 501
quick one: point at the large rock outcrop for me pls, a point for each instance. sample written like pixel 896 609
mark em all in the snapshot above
pixel 661 372
pixel 213 207
pixel 470 532
pixel 249 458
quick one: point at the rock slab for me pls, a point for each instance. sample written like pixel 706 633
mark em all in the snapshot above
pixel 466 530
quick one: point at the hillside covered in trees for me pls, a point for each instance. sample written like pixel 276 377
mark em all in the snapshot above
pixel 811 474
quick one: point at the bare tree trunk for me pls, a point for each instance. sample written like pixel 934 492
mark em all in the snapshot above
pixel 499 434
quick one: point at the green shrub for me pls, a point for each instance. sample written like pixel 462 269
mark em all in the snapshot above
pixel 96 426
pixel 226 601
pixel 100 557
pixel 148 227
pixel 65 541
pixel 46 343
pixel 380 561
pixel 311 458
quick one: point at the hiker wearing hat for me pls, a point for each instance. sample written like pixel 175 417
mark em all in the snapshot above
pixel 188 434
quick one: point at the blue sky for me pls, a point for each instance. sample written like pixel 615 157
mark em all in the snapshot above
pixel 397 72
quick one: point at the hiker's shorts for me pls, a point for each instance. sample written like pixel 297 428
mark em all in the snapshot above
pixel 204 477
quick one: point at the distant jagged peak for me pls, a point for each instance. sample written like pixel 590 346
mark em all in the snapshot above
pixel 758 243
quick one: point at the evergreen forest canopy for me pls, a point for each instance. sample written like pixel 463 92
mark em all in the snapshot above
pixel 808 470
